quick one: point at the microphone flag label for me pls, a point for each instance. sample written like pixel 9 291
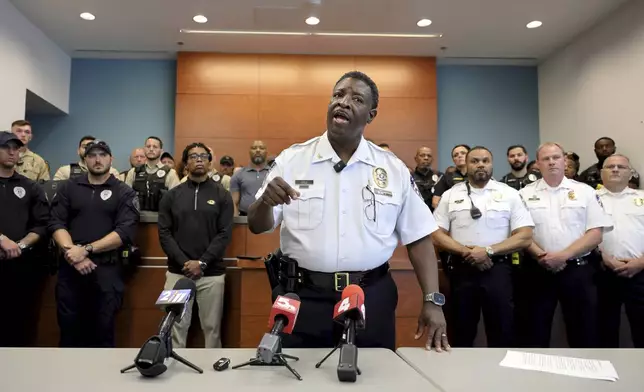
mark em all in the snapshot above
pixel 173 297
pixel 287 307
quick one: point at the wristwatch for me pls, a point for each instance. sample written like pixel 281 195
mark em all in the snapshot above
pixel 22 246
pixel 489 251
pixel 203 265
pixel 89 249
pixel 436 298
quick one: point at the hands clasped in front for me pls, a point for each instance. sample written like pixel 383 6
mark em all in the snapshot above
pixel 77 257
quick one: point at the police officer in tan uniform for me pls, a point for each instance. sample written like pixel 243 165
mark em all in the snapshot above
pixel 30 164
pixel 79 168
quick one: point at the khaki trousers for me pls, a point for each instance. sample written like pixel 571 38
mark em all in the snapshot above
pixel 210 298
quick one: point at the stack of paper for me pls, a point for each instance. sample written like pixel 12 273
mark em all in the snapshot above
pixel 567 366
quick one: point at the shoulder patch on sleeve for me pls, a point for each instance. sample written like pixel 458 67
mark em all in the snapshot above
pixel 414 186
pixel 599 200
pixel 135 203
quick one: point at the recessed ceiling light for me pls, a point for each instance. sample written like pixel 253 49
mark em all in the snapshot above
pixel 534 24
pixel 312 21
pixel 87 16
pixel 200 19
pixel 424 23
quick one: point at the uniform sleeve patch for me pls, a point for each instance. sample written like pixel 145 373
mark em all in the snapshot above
pixel 414 186
pixel 599 200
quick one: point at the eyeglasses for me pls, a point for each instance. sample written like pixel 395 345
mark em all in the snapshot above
pixel 370 198
pixel 475 213
pixel 203 157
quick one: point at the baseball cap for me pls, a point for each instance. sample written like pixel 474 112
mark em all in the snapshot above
pixel 6 137
pixel 97 144
pixel 227 160
pixel 166 155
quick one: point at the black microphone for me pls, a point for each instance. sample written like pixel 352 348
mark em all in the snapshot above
pixel 281 320
pixel 351 310
pixel 150 359
pixel 338 167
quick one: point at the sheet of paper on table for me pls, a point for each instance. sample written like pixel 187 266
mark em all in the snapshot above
pixel 567 366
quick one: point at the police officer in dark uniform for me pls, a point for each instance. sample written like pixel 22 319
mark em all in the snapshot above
pixel 23 225
pixel 424 175
pixel 519 176
pixel 153 179
pixel 92 216
pixel 604 147
pixel 449 179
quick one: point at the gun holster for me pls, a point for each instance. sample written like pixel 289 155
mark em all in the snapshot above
pixel 130 256
pixel 272 264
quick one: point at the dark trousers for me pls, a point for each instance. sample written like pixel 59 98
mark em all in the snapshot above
pixel 613 292
pixel 87 305
pixel 489 291
pixel 315 326
pixel 520 284
pixel 576 289
pixel 23 281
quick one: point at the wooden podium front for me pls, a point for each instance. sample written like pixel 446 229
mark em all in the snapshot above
pixel 247 301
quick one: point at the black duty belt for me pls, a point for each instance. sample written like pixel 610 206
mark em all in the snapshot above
pixel 495 259
pixel 579 260
pixel 336 281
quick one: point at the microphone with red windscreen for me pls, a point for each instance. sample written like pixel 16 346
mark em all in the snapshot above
pixel 351 306
pixel 282 319
pixel 351 312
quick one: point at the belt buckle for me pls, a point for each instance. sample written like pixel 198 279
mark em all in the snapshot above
pixel 337 277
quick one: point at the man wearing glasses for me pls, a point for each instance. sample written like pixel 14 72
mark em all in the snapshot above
pixel 344 205
pixel 622 279
pixel 195 226
pixel 482 222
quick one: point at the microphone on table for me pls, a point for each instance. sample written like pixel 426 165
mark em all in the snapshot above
pixel 150 359
pixel 281 320
pixel 351 312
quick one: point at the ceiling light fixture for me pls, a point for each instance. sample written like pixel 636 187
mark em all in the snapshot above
pixel 200 19
pixel 312 21
pixel 87 16
pixel 534 24
pixel 424 23
pixel 301 33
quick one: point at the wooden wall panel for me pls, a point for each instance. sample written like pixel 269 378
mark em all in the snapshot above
pixel 228 100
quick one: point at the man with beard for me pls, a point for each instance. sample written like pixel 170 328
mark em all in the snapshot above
pixel 622 279
pixel 449 179
pixel 481 223
pixel 195 227
pixel 24 213
pixel 604 147
pixel 520 176
pixel 77 169
pixel 152 180
pixel 345 205
pixel 92 216
pixel 569 224
pixel 246 182
pixel 424 176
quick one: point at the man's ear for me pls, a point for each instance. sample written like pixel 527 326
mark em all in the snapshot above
pixel 372 114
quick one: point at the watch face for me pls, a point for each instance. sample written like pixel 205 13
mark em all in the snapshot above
pixel 439 299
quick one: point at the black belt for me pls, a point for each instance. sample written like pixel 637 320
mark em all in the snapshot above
pixel 337 281
pixel 579 260
pixel 495 259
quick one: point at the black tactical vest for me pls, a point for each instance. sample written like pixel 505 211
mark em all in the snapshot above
pixel 150 187
pixel 75 170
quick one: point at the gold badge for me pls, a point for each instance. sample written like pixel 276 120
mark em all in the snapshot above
pixel 380 177
pixel 211 202
pixel 639 201
pixel 572 196
pixel 497 196
pixel 319 156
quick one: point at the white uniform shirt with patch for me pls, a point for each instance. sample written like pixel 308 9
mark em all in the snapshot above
pixel 331 227
pixel 501 208
pixel 564 213
pixel 626 210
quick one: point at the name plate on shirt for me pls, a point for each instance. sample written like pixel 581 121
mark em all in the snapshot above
pixel 303 184
pixel 382 192
pixel 173 297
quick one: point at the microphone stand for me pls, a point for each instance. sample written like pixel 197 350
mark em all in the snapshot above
pixel 279 359
pixel 343 341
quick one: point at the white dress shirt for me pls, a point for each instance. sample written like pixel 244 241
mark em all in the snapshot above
pixel 626 209
pixel 501 208
pixel 564 213
pixel 351 220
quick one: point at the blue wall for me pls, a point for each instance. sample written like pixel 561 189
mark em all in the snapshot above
pixel 120 101
pixel 493 106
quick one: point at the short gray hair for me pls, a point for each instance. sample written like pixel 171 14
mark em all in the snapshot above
pixel 618 155
pixel 550 144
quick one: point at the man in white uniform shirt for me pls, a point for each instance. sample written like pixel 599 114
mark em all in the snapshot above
pixel 344 204
pixel 622 281
pixel 569 223
pixel 481 223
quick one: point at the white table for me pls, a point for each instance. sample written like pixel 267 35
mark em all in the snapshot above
pixel 477 369
pixel 98 370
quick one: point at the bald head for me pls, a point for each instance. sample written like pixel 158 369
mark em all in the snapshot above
pixel 424 158
pixel 137 157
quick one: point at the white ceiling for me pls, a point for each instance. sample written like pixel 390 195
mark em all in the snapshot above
pixel 471 28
